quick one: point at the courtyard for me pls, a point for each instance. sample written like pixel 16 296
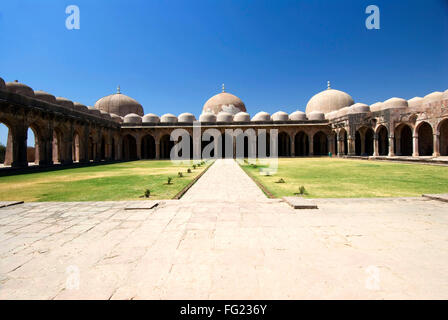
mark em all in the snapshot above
pixel 224 239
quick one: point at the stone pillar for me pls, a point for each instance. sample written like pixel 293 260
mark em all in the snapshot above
pixel 363 143
pixel 436 144
pixel 415 146
pixel 158 150
pixel 311 145
pixel 19 147
pixel 330 143
pixel 351 146
pixel 391 146
pixel 138 141
pixel 84 145
pixel 293 147
pixel 375 145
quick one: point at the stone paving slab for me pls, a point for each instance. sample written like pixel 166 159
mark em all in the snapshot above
pixel 441 197
pixel 300 203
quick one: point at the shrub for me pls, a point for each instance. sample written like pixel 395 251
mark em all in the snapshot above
pixel 147 193
pixel 180 174
pixel 188 170
pixel 169 180
pixel 194 166
pixel 280 180
pixel 302 190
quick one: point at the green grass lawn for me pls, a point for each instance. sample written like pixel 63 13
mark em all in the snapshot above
pixel 121 181
pixel 341 178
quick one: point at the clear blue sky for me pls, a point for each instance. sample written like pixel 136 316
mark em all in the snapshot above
pixel 172 56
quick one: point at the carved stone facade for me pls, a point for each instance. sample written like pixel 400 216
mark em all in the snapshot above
pixel 67 132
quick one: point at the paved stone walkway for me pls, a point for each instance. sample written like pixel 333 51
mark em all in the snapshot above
pixel 225 248
pixel 225 181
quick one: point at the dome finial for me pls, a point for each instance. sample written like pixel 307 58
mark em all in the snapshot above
pixel 118 89
pixel 223 88
pixel 328 85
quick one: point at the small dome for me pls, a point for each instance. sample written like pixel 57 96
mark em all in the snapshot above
pixel 433 98
pixel 331 115
pixel 132 118
pixel 168 118
pixel 150 118
pixel 279 116
pixel 105 115
pixel 377 106
pixel 342 112
pixel 19 88
pixel 44 96
pixel 297 116
pixel 241 117
pixel 329 100
pixel 415 102
pixel 2 84
pixel 64 102
pixel 94 111
pixel 120 104
pixel 224 117
pixel 116 118
pixel 315 115
pixel 224 101
pixel 395 103
pixel 80 107
pixel 359 108
pixel 262 116
pixel 207 117
pixel 186 118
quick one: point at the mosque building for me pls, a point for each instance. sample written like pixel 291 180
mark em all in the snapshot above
pixel 116 128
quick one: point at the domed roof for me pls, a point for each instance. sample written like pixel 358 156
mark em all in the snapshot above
pixel 20 88
pixel 241 117
pixel 262 116
pixel 415 102
pixel 94 111
pixel 433 97
pixel 80 107
pixel 224 101
pixel 359 108
pixel 329 100
pixel 116 118
pixel 445 95
pixel 132 118
pixel 2 84
pixel 45 96
pixel 394 103
pixel 64 102
pixel 377 106
pixel 315 115
pixel 120 104
pixel 207 117
pixel 151 118
pixel 168 118
pixel 280 116
pixel 224 117
pixel 297 116
pixel 186 117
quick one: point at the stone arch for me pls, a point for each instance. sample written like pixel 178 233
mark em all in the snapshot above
pixel 33 154
pixel 129 147
pixel 301 144
pixel 358 143
pixel 76 146
pixel 165 146
pixel 226 145
pixel 58 145
pixel 6 149
pixel 368 141
pixel 103 147
pixel 425 139
pixel 320 144
pixel 284 144
pixel 443 137
pixel 267 140
pixel 148 147
pixel 383 140
pixel 403 140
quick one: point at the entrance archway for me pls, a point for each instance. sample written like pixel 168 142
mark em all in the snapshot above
pixel 320 144
pixel 425 139
pixel 403 140
pixel 383 141
pixel 443 137
pixel 129 147
pixel 301 144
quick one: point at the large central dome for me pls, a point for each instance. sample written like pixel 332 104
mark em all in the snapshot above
pixel 224 101
pixel 328 101
pixel 119 104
